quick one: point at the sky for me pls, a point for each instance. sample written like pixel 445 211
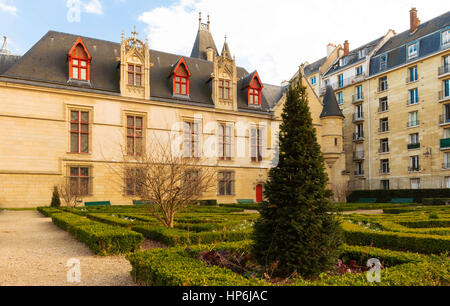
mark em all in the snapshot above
pixel 273 37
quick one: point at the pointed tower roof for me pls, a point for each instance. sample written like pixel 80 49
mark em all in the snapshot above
pixel 330 105
pixel 203 41
pixel 4 50
pixel 226 49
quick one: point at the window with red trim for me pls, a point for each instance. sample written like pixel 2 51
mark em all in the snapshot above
pixel 79 62
pixel 80 181
pixel 134 75
pixel 254 91
pixel 135 135
pixel 225 142
pixel 79 131
pixel 224 89
pixel 181 79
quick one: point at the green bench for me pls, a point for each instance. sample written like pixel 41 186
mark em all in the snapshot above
pixel 135 202
pixel 367 200
pixel 246 201
pixel 402 201
pixel 102 203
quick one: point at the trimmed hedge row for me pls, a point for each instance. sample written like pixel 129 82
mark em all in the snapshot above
pixel 254 206
pixel 427 244
pixel 386 196
pixel 368 206
pixel 425 223
pixel 174 237
pixel 48 211
pixel 101 238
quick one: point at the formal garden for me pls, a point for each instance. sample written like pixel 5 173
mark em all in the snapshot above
pixel 297 237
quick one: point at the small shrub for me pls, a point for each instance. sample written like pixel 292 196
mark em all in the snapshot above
pixel 56 201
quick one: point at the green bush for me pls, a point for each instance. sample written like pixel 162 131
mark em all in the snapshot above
pixel 427 244
pixel 101 238
pixel 208 202
pixel 56 201
pixel 386 196
pixel 435 201
pixel 175 237
pixel 48 211
pixel 425 223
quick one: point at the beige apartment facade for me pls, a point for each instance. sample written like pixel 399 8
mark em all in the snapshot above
pixel 73 105
pixel 394 93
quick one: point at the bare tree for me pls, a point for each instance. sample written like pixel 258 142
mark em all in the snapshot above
pixel 341 191
pixel 167 181
pixel 71 196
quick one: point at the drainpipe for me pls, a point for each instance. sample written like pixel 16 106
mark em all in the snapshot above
pixel 370 125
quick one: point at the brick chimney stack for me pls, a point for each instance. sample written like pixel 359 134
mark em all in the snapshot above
pixel 413 20
pixel 346 48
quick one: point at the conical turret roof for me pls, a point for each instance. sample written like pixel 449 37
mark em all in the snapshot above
pixel 330 105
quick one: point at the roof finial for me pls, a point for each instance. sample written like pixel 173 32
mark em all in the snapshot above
pixel 225 38
pixel 4 49
pixel 134 33
pixel 209 22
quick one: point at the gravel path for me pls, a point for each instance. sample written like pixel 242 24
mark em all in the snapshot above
pixel 34 252
pixel 365 212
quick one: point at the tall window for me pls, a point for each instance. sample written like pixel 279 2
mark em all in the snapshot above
pixel 79 181
pixel 359 169
pixel 313 80
pixel 383 62
pixel 446 161
pixel 225 141
pixel 340 98
pixel 256 144
pixel 445 38
pixel 134 75
pixel 181 77
pixel 79 62
pixel 413 119
pixel 191 139
pixel 384 106
pixel 191 178
pixel 359 92
pixel 412 74
pixel 384 166
pixel 79 131
pixel 414 164
pixel 340 80
pixel 414 138
pixel 383 84
pixel 384 145
pixel 446 88
pixel 384 125
pixel 226 183
pixel 359 70
pixel 413 96
pixel 135 135
pixel 413 50
pixel 385 184
pixel 224 89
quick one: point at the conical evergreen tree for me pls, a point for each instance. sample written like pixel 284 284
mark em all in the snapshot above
pixel 296 231
pixel 56 201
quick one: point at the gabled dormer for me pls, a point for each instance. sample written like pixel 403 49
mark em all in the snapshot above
pixel 79 62
pixel 254 89
pixel 134 68
pixel 180 76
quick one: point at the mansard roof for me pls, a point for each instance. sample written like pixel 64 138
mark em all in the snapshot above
pixel 45 64
pixel 314 67
pixel 330 104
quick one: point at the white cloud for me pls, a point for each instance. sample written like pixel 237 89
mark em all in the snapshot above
pixel 275 37
pixel 8 8
pixel 93 7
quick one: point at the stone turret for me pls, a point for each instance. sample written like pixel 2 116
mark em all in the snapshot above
pixel 4 50
pixel 204 41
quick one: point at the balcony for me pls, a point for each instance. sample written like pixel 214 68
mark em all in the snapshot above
pixel 358 155
pixel 357 98
pixel 413 146
pixel 444 120
pixel 348 81
pixel 383 109
pixel 414 169
pixel 358 137
pixel 385 172
pixel 412 124
pixel 443 96
pixel 445 144
pixel 358 117
pixel 383 130
pixel 446 166
pixel 443 71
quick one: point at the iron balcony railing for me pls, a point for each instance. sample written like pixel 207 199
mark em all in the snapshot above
pixel 383 129
pixel 443 70
pixel 385 171
pixel 358 117
pixel 414 169
pixel 383 87
pixel 413 146
pixel 446 165
pixel 358 136
pixel 413 123
pixel 357 98
pixel 359 173
pixel 443 95
pixel 444 119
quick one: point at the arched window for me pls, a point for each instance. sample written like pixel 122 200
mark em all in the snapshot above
pixel 79 62
pixel 181 76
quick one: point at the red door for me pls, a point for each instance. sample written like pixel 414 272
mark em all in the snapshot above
pixel 259 193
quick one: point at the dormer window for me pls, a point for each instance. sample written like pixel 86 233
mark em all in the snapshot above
pixel 134 75
pixel 413 50
pixel 181 77
pixel 224 89
pixel 254 91
pixel 79 62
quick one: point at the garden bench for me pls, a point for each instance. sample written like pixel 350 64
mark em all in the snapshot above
pixel 141 202
pixel 246 201
pixel 367 200
pixel 402 200
pixel 101 203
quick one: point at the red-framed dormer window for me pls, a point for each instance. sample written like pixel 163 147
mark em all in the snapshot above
pixel 181 77
pixel 254 91
pixel 79 62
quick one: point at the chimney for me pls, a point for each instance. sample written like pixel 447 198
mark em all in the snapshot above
pixel 414 21
pixel 346 48
pixel 330 49
pixel 210 54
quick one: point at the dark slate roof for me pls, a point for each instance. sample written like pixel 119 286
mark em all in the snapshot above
pixel 352 57
pixel 203 41
pixel 330 104
pixel 226 50
pixel 6 61
pixel 314 67
pixel 428 35
pixel 45 64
